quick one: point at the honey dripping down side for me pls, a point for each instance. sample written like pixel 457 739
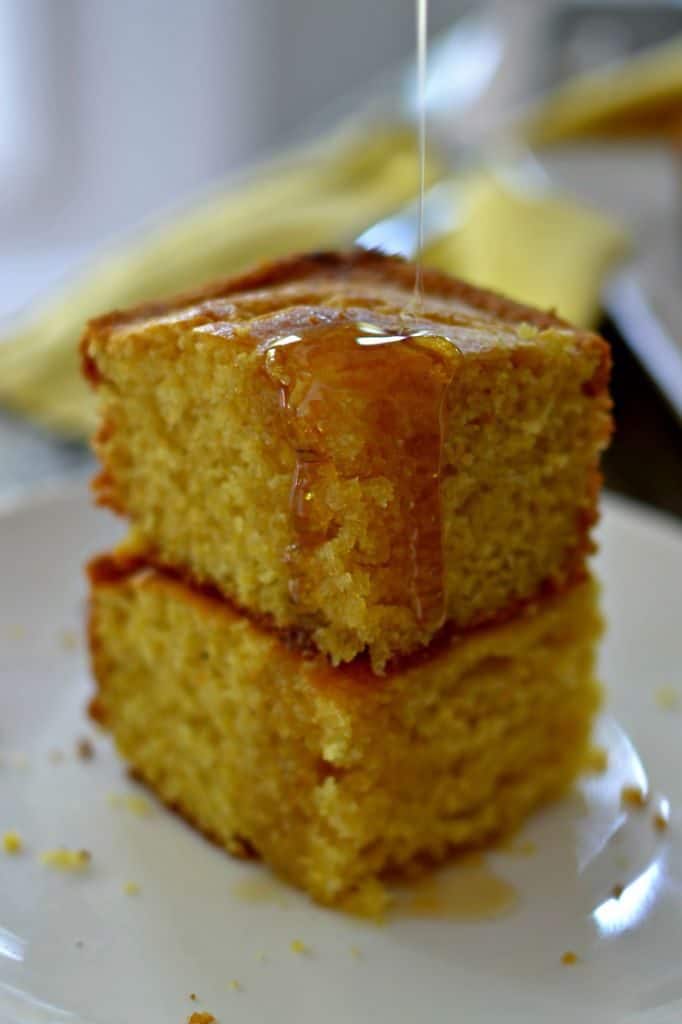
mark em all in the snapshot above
pixel 343 381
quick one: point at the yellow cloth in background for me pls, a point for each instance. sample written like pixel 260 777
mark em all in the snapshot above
pixel 320 197
pixel 541 250
pixel 638 98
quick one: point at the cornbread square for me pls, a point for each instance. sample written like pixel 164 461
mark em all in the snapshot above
pixel 353 467
pixel 336 776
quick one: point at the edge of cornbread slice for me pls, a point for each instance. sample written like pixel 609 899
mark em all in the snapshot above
pixel 335 776
pixel 361 495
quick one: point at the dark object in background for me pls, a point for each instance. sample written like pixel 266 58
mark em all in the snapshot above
pixel 645 457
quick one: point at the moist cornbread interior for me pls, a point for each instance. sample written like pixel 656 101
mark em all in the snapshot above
pixel 193 449
pixel 337 777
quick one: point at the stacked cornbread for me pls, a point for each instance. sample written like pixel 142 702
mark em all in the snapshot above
pixel 352 628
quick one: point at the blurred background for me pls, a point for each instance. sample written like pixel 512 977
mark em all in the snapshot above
pixel 116 115
pixel 112 112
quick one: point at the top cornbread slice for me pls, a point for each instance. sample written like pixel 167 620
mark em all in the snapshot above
pixel 354 469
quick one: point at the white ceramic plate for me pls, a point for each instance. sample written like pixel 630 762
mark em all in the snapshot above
pixel 78 949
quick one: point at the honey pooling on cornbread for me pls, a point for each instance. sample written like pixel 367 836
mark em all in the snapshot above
pixel 371 373
pixel 195 452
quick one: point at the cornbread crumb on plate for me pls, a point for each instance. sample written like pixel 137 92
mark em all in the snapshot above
pixel 63 859
pixel 201 1017
pixel 450 477
pixel 634 796
pixel 296 946
pixel 235 985
pixel 569 958
pixel 667 698
pixel 85 749
pixel 338 777
pixel 68 639
pixel 131 888
pixel 133 802
pixel 12 842
pixel 660 821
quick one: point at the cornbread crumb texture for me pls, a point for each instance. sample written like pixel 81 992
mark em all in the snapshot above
pixel 12 842
pixel 63 859
pixel 195 449
pixel 569 958
pixel 201 1017
pixel 271 752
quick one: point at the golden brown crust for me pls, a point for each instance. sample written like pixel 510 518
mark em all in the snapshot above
pixel 361 265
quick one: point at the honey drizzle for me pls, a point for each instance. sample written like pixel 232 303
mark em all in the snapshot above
pixel 332 377
pixel 421 15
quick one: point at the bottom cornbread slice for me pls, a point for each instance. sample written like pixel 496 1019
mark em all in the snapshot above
pixel 335 776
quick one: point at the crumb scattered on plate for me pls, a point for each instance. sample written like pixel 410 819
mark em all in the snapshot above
pixel 201 1017
pixel 131 888
pixel 235 985
pixel 12 842
pixel 569 958
pixel 617 891
pixel 356 953
pixel 633 796
pixel 63 859
pixel 137 805
pixel 68 639
pixel 660 821
pixel 296 946
pixel 667 698
pixel 85 749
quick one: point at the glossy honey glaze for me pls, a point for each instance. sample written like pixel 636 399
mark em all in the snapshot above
pixel 366 404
